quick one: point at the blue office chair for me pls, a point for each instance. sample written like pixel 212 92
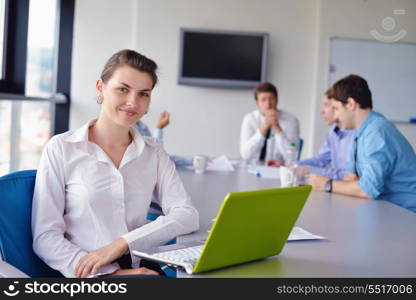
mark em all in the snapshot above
pixel 154 212
pixel 16 193
pixel 300 148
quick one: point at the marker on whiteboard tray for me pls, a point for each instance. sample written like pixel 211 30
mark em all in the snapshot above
pixel 412 120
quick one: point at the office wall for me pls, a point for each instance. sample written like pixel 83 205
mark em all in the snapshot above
pixel 100 29
pixel 355 19
pixel 204 120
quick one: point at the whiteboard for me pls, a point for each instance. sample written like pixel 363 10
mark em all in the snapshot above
pixel 390 71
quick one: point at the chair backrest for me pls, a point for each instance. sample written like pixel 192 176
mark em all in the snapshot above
pixel 16 192
pixel 300 148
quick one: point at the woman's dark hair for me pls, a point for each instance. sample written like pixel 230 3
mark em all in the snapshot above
pixel 132 59
pixel 263 87
pixel 355 87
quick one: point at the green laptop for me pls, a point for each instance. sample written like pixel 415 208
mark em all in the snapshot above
pixel 249 226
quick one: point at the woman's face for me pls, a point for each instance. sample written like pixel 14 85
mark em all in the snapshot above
pixel 126 95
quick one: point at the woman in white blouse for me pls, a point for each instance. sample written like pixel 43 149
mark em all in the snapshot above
pixel 94 184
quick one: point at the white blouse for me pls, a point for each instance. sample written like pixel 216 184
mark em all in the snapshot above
pixel 83 202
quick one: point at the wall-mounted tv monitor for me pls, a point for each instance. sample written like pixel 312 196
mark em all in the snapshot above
pixel 225 59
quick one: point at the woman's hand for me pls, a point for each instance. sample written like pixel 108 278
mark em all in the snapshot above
pixel 90 263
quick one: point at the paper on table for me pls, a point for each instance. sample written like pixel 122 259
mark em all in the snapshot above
pixel 235 161
pixel 220 163
pixel 299 234
pixel 265 172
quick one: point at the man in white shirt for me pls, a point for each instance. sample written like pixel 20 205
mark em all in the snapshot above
pixel 268 122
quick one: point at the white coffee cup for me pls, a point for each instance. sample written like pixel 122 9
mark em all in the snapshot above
pixel 287 177
pixel 200 163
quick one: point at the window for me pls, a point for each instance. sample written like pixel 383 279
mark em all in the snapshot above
pixel 25 128
pixel 41 48
pixel 34 91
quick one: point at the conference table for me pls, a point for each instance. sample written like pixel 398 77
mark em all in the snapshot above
pixel 363 238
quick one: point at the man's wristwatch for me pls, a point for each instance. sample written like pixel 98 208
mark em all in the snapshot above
pixel 328 186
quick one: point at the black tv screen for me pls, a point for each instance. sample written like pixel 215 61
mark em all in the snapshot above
pixel 222 58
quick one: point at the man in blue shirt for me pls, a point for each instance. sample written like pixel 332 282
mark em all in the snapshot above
pixel 336 149
pixel 383 163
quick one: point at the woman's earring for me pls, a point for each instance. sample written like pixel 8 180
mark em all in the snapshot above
pixel 100 99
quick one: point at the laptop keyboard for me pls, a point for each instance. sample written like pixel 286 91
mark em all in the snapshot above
pixel 185 255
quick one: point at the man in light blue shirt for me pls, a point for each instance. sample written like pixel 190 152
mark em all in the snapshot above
pixel 336 149
pixel 383 162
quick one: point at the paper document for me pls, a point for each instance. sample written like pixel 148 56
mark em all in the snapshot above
pixel 299 234
pixel 265 171
pixel 220 163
